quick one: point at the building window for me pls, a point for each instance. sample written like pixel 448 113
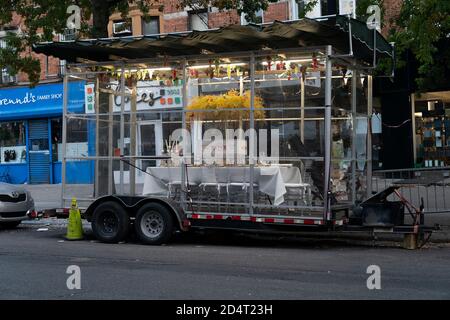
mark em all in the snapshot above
pixel 77 138
pixel 121 28
pixel 13 142
pixel 198 20
pixel 322 8
pixel 5 76
pixel 62 67
pixel 150 26
pixel 259 18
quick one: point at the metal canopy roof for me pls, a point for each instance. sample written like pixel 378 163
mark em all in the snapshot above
pixel 234 38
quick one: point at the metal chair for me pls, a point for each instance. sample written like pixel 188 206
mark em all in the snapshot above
pixel 210 187
pixel 295 187
pixel 239 182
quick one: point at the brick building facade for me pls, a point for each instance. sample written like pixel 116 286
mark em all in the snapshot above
pixel 50 66
pixel 172 19
pixel 392 10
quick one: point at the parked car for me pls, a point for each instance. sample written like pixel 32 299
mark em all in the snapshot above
pixel 16 204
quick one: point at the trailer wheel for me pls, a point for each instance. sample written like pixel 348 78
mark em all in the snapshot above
pixel 110 222
pixel 153 224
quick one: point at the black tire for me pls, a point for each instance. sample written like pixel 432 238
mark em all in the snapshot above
pixel 9 224
pixel 154 224
pixel 110 222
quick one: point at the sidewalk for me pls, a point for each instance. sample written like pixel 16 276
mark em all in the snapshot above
pixel 46 196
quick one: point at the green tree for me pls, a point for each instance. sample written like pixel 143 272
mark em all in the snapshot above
pixel 423 27
pixel 45 18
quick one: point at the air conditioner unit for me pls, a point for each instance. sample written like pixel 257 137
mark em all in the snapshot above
pixel 7 79
pixel 121 28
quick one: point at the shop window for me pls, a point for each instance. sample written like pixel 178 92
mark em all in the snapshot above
pixel 5 76
pixel 150 26
pixel 259 18
pixel 13 143
pixel 432 124
pixel 77 138
pixel 56 138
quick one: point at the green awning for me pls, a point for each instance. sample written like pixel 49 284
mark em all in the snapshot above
pixel 234 38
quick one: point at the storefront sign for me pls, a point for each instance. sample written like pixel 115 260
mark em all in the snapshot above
pixel 150 95
pixel 41 101
pixel 89 98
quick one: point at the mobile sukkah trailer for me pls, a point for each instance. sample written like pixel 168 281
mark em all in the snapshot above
pixel 260 127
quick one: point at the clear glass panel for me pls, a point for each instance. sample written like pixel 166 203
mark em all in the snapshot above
pixel 130 138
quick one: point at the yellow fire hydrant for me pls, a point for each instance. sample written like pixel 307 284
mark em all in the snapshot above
pixel 74 225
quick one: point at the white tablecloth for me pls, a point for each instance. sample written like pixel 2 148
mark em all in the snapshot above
pixel 271 179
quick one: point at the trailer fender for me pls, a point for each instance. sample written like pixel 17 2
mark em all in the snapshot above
pixel 133 203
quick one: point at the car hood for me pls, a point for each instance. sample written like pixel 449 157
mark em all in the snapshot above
pixel 6 188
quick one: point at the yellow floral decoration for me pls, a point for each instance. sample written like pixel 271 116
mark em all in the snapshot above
pixel 224 105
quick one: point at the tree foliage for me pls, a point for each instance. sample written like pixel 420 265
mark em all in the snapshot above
pixel 43 19
pixel 423 27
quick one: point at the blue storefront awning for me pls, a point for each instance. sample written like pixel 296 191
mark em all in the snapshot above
pixel 42 101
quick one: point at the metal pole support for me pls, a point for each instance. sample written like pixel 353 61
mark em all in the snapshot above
pixel 327 134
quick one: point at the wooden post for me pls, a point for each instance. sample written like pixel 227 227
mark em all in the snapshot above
pixel 410 241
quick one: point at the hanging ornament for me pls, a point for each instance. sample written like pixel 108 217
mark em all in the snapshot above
pixel 174 74
pixel 269 63
pixel 217 68
pixel 238 72
pixel 144 73
pixel 278 66
pixel 210 71
pixel 229 71
pixel 315 62
pixel 193 73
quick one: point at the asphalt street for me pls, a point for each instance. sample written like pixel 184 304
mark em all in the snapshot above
pixel 33 265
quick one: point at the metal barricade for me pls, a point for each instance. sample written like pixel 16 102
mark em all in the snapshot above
pixel 430 184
